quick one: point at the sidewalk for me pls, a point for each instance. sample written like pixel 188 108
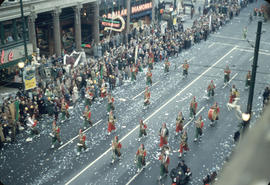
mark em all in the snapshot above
pixel 6 91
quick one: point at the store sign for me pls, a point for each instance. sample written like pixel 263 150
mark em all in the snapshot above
pixel 134 10
pixel 8 58
pixel 115 24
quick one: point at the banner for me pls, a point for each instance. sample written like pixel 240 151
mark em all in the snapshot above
pixel 29 78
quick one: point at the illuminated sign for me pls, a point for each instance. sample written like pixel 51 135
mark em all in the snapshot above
pixel 115 24
pixel 9 57
pixel 134 10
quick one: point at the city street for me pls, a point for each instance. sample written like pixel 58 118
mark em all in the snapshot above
pixel 36 163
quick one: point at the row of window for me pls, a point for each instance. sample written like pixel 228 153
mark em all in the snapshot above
pixel 12 32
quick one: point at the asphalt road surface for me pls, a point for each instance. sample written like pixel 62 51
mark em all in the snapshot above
pixel 35 163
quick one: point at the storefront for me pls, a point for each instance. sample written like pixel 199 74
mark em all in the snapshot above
pixel 9 58
pixel 141 12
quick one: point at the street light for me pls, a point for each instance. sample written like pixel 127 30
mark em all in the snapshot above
pixel 245 116
pixel 21 65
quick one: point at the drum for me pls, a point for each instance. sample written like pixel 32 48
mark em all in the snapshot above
pixel 212 114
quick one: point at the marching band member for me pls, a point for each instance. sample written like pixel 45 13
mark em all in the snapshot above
pixel 248 80
pixel 213 113
pixel 179 123
pixel 183 143
pixel 227 72
pixel 147 95
pixel 233 94
pixel 164 134
pixel 32 123
pixel 210 89
pixel 134 71
pixel 87 117
pixel 103 92
pixel 64 110
pixel 140 157
pixel 81 144
pixel 55 134
pixel 142 131
pixel 110 106
pixel 167 65
pixel 149 77
pixel 116 146
pixel 164 163
pixel 198 125
pixel 111 123
pixel 193 107
pixel 185 68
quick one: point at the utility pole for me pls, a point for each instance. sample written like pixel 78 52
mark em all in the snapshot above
pixel 253 74
pixel 24 32
pixel 153 11
pixel 128 20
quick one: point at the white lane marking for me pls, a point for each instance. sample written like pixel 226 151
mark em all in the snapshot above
pixel 251 58
pixel 193 118
pixel 161 107
pixel 252 51
pixel 211 45
pixel 137 174
pixel 230 80
pixel 143 91
pixel 78 135
pixel 233 38
pixel 240 47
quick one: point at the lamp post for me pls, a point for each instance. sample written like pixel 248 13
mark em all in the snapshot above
pixel 24 32
pixel 253 73
pixel 21 66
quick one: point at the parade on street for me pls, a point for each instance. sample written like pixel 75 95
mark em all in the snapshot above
pixel 158 103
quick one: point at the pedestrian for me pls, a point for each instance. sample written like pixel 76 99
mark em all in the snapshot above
pixel 198 126
pixel 75 95
pixel 227 72
pixel 193 108
pixel 163 134
pixel 116 147
pixel 245 32
pixel 81 144
pixel 183 143
pixel 142 131
pixel 55 134
pixel 266 96
pixel 179 123
pixel 111 122
pixel 140 158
